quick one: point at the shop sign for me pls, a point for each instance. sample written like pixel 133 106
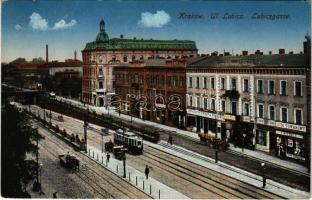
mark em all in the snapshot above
pixel 201 113
pixel 246 118
pixel 291 126
pixel 289 134
pixel 219 117
pixel 229 117
pixel 271 123
pixel 260 121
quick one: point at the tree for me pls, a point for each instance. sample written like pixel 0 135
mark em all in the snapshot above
pixel 37 60
pixel 17 140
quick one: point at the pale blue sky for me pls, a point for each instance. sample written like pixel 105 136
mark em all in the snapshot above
pixel 67 25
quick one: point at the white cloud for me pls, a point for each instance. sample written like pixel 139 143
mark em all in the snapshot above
pixel 63 25
pixel 157 20
pixel 37 22
pixel 18 27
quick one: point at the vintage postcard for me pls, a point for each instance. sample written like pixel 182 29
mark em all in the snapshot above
pixel 180 99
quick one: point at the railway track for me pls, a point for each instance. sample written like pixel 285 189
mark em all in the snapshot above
pixel 222 185
pixel 116 185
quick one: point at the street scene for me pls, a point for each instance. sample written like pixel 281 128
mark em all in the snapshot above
pixel 163 100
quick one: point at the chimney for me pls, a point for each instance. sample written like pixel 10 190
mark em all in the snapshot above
pixel 47 53
pixel 245 53
pixel 270 52
pixel 281 51
pixel 75 55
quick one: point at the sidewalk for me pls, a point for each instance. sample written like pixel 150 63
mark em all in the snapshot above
pixel 261 156
pixel 152 187
pixel 231 171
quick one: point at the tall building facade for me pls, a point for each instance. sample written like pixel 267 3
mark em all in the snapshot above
pixel 102 55
pixel 153 90
pixel 259 101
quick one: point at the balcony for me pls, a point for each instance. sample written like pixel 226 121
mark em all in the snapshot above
pixel 100 90
pixel 100 76
pixel 232 94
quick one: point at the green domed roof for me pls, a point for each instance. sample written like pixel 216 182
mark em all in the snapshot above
pixel 102 37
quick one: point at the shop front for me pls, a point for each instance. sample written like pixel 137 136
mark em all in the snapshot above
pixel 290 145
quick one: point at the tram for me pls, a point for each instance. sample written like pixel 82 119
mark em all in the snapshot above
pixel 130 140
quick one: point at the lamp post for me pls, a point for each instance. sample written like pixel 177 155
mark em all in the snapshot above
pixel 85 126
pixel 40 182
pixel 243 145
pixel 263 175
pixel 124 163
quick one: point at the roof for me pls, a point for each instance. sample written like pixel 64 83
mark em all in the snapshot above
pixel 135 44
pixel 277 60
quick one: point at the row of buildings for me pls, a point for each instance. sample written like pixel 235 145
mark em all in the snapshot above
pixel 259 101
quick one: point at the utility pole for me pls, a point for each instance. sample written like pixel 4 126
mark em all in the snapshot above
pixel 85 125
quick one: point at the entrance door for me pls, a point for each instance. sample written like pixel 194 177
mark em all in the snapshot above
pixel 198 124
pixel 101 101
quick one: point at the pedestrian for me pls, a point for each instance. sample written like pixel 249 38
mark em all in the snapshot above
pixel 107 158
pixel 54 195
pixel 146 172
pixel 170 140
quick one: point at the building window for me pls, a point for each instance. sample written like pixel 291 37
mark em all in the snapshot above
pixel 298 88
pixel 114 58
pixel 100 85
pixel 197 82
pixel 246 109
pixel 206 103
pixel 101 71
pixel 190 101
pixel 205 83
pixel 246 85
pixel 125 58
pixel 233 107
pixel 283 88
pixel 284 115
pixel 271 112
pixel 190 82
pixel 261 137
pixel 197 102
pixel 260 86
pixel 181 81
pixel 212 82
pixel 141 57
pixel 233 84
pixel 222 83
pixel 260 110
pixel 298 116
pixel 213 104
pixel 271 88
pixel 133 58
pixel 223 105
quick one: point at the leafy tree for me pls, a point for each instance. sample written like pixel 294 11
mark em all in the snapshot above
pixel 17 140
pixel 38 60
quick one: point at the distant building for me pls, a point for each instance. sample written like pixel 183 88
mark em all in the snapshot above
pixel 103 54
pixel 255 100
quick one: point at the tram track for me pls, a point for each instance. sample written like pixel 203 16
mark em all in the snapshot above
pixel 119 185
pixel 224 184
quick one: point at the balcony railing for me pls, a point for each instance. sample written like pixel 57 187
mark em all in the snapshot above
pixel 232 94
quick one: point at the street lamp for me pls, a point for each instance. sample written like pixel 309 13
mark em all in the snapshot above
pixel 40 172
pixel 263 175
pixel 124 163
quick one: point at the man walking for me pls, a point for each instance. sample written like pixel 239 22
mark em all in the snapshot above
pixel 146 172
pixel 107 158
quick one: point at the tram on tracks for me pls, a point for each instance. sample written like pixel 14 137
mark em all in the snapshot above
pixel 129 140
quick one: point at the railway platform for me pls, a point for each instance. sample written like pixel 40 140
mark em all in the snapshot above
pixel 150 186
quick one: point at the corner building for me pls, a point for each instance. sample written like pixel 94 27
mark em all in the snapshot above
pixel 256 101
pixel 102 55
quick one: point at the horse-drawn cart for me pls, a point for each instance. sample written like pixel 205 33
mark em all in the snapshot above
pixel 69 162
